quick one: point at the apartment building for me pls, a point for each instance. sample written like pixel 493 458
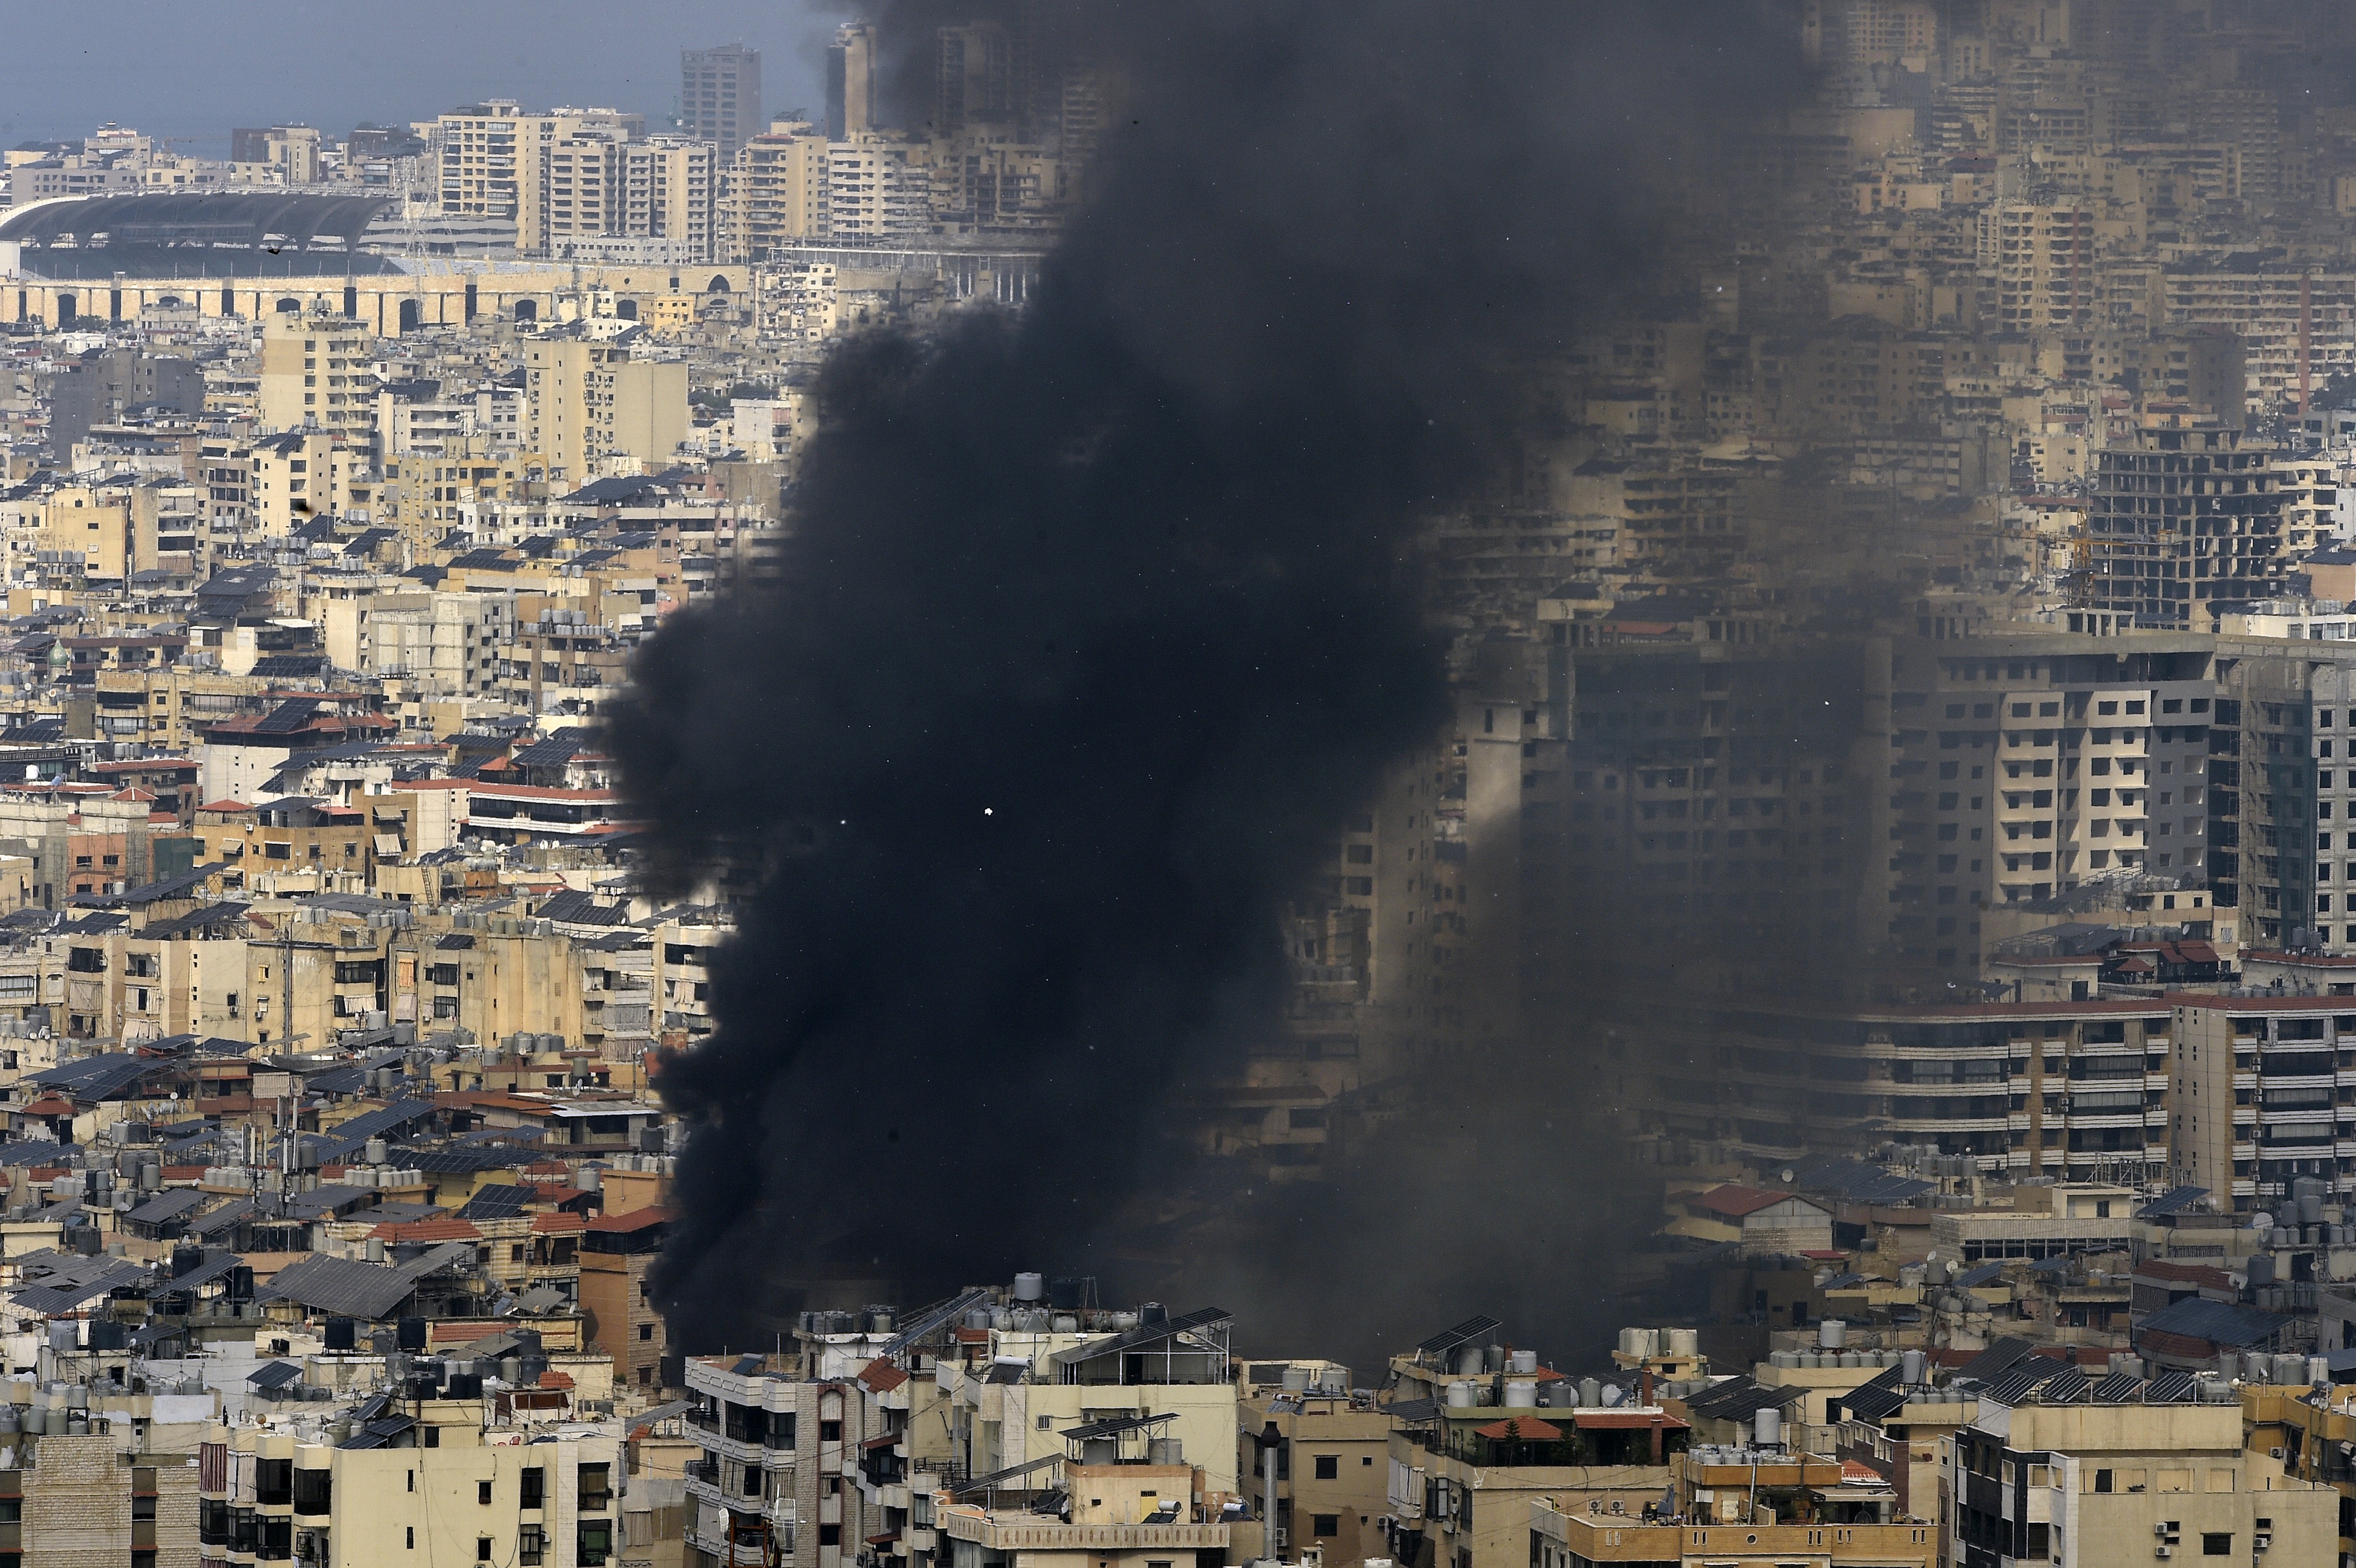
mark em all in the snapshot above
pixel 83 1499
pixel 2022 766
pixel 432 1489
pixel 2076 1090
pixel 317 372
pixel 671 197
pixel 2280 849
pixel 2262 1093
pixel 287 155
pixel 585 403
pixel 2183 512
pixel 433 647
pixel 779 195
pixel 2045 277
pixel 877 187
pixel 2083 1480
pixel 1332 1456
pixel 617 1257
pixel 2297 325
pixel 778 1480
pixel 851 63
pixel 475 150
pixel 1047 1372
pixel 306 473
pixel 569 176
pixel 719 97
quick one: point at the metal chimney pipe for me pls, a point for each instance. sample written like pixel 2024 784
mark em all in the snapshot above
pixel 1272 1439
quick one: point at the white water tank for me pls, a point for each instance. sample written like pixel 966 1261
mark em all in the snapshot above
pixel 1767 1427
pixel 1831 1334
pixel 1521 1362
pixel 1685 1341
pixel 1521 1394
pixel 1460 1394
pixel 1296 1380
pixel 1030 1287
pixel 1912 1367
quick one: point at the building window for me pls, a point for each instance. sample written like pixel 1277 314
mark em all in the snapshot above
pixel 483 1493
pixel 531 1488
pixel 1324 1524
pixel 482 1549
pixel 1329 1466
pixel 2217 1543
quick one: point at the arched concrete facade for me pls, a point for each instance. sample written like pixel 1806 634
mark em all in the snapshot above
pixel 440 299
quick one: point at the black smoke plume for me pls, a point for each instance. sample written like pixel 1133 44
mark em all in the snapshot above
pixel 1095 624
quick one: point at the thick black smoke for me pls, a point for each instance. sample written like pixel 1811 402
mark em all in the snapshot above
pixel 1094 625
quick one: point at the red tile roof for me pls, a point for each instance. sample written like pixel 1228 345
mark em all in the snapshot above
pixel 552 1224
pixel 881 1376
pixel 640 1220
pixel 449 1228
pixel 1736 1202
pixel 1521 1429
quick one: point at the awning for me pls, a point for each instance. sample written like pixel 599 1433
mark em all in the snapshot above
pixel 888 1440
pixel 389 845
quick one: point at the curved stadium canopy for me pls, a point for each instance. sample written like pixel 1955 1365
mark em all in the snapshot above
pixel 207 233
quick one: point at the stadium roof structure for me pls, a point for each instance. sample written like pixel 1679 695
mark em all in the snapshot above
pixel 195 234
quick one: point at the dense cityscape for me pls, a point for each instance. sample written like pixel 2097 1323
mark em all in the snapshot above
pixel 1889 656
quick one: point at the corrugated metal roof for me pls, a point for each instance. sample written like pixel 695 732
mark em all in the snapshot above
pixel 166 1206
pixel 2219 1322
pixel 1996 1358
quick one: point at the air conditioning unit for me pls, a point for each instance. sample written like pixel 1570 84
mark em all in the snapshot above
pixel 2159 1550
pixel 2160 1528
pixel 2273 1453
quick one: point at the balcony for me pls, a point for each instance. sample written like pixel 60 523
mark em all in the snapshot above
pixel 730 1553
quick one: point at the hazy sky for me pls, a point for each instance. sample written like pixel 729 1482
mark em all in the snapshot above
pixel 189 71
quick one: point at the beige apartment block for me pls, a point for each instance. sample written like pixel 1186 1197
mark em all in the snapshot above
pixel 474 148
pixel 471 1496
pixel 585 403
pixel 302 474
pixel 77 1501
pixel 317 372
pixel 2087 1485
pixel 779 193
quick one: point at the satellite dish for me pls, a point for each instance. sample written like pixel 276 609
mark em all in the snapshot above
pixel 1787 1173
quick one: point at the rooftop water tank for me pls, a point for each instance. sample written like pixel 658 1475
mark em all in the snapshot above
pixel 1030 1287
pixel 1521 1394
pixel 1831 1334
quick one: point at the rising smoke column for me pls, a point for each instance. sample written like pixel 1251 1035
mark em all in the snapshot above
pixel 1094 625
